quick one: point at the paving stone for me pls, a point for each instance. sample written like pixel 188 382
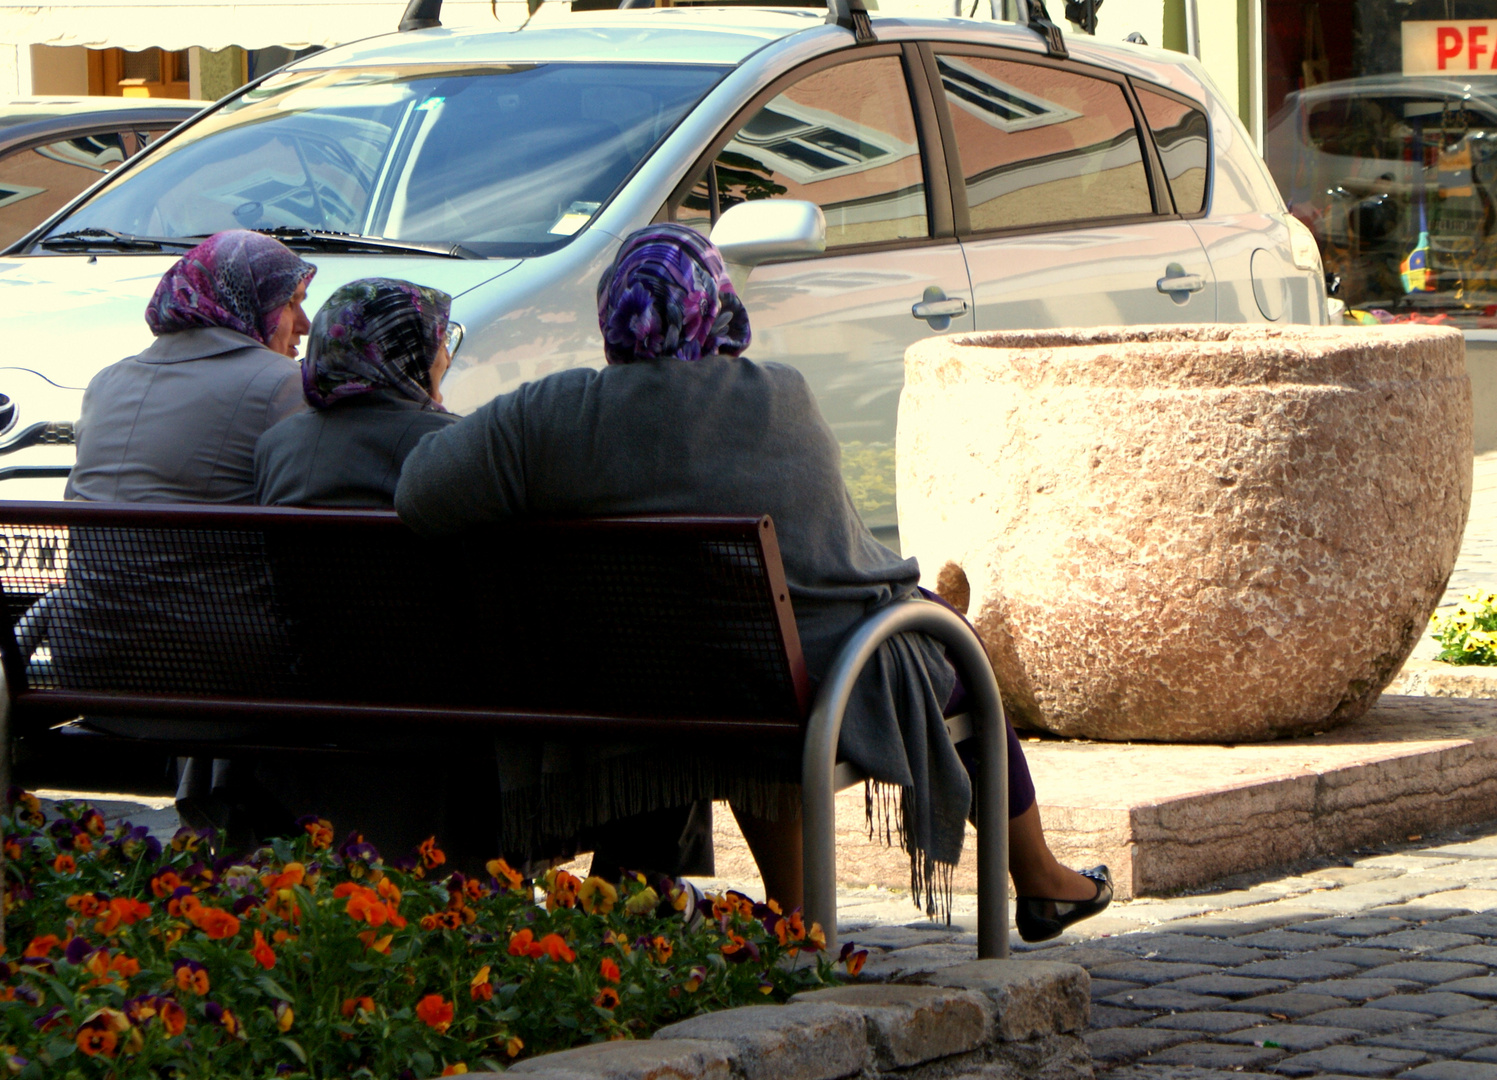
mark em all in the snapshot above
pixel 1365 956
pixel 1230 986
pixel 1088 955
pixel 1294 1037
pixel 1159 997
pixel 1106 1016
pixel 1427 971
pixel 1422 940
pixel 1215 1055
pixel 1351 1060
pixel 1297 967
pixel 1370 1019
pixel 1213 1023
pixel 1294 1004
pixel 1425 909
pixel 1030 998
pixel 1352 926
pixel 1483 924
pixel 1215 925
pixel 1186 949
pixel 901 937
pixel 806 1042
pixel 1476 954
pixel 916 960
pixel 1116 1045
pixel 1482 1053
pixel 1360 989
pixel 1149 972
pixel 1286 940
pixel 911 1024
pixel 1483 1021
pixel 1433 1002
pixel 1101 988
pixel 1485 848
pixel 1482 986
pixel 1435 1041
pixel 645 1059
pixel 1453 1070
pixel 1147 1070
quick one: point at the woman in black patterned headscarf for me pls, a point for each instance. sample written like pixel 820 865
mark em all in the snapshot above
pixel 372 374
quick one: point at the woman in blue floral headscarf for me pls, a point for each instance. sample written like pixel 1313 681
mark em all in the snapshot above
pixel 680 422
pixel 372 374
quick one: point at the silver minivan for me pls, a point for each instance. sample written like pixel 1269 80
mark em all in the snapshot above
pixel 869 189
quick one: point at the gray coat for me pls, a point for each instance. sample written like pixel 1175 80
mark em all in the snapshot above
pixel 179 422
pixel 722 435
pixel 346 455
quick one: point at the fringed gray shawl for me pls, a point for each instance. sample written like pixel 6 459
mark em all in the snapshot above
pixel 720 435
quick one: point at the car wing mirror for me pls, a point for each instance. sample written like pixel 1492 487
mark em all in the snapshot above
pixel 755 232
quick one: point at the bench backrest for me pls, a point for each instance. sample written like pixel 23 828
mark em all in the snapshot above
pixel 342 617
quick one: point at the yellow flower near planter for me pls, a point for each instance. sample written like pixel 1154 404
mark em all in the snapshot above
pixel 597 896
pixel 1469 635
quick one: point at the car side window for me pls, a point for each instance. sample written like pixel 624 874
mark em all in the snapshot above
pixel 844 138
pixel 1042 146
pixel 1182 135
pixel 37 181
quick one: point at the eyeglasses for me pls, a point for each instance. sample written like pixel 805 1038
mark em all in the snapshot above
pixel 453 337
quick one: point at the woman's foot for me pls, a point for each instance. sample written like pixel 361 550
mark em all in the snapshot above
pixel 1041 918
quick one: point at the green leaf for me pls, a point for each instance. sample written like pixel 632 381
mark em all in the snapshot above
pixel 422 1063
pixel 274 989
pixel 295 1048
pixel 57 1049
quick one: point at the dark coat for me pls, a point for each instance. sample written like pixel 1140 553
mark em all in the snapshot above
pixel 348 455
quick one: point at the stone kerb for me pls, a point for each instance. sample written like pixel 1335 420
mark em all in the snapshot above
pixel 988 1019
pixel 1188 533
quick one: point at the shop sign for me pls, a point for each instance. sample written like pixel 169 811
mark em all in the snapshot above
pixel 1450 47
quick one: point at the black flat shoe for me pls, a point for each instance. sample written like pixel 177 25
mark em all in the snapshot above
pixel 1040 919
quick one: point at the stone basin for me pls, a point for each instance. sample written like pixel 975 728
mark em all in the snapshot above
pixel 1212 533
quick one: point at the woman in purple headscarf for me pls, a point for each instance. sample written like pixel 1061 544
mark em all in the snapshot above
pixel 680 422
pixel 178 423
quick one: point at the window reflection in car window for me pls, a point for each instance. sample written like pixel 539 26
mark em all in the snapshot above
pixel 843 138
pixel 1183 138
pixel 1042 146
pixel 1397 179
pixel 39 181
pixel 506 159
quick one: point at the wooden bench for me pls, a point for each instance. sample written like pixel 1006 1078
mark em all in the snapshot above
pixel 677 629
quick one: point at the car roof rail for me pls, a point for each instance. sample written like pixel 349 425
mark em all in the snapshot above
pixel 1032 14
pixel 852 15
pixel 421 15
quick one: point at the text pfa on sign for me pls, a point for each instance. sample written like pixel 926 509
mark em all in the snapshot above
pixel 1450 47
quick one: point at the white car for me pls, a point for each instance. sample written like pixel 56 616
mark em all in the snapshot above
pixel 872 182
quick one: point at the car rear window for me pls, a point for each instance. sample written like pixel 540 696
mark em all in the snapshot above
pixel 1041 145
pixel 1183 137
pixel 506 159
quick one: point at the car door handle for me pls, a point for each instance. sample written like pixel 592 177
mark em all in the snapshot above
pixel 936 308
pixel 1181 283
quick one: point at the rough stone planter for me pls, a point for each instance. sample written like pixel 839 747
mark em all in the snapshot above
pixel 1189 533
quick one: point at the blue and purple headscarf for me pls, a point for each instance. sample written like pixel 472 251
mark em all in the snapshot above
pixel 238 280
pixel 371 333
pixel 667 297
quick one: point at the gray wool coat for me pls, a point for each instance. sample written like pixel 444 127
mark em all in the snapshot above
pixel 721 435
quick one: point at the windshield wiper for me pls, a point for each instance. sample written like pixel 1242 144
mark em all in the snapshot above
pixel 114 240
pixel 318 240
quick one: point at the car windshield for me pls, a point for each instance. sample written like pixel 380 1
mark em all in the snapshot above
pixel 504 159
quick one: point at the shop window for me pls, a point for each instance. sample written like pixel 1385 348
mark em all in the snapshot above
pixel 149 73
pixel 843 138
pixel 1042 146
pixel 1182 136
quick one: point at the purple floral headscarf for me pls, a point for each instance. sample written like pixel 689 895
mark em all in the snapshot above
pixel 238 280
pixel 667 296
pixel 375 332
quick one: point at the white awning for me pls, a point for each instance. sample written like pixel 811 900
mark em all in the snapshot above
pixel 253 24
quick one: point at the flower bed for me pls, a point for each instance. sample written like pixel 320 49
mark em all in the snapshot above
pixel 1469 635
pixel 126 959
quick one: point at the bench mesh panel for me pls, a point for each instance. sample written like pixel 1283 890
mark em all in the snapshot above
pixel 642 621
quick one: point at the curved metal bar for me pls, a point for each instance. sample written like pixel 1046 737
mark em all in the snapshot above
pixel 819 762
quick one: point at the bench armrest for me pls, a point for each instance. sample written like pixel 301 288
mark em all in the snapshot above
pixel 819 763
